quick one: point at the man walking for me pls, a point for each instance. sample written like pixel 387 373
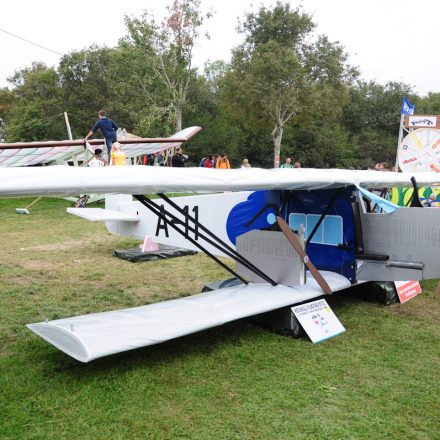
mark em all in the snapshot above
pixel 108 129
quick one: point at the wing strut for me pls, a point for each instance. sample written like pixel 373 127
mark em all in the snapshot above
pixel 302 254
pixel 161 213
pixel 224 247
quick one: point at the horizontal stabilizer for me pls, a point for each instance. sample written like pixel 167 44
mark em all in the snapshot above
pixel 103 215
pixel 92 336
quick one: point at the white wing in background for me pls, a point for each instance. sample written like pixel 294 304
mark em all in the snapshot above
pixel 47 153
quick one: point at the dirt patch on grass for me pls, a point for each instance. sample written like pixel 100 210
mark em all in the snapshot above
pixel 68 244
pixel 18 280
pixel 416 310
pixel 37 264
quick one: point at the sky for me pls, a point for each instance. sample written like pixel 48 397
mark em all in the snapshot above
pixel 389 40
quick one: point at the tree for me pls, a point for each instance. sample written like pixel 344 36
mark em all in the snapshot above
pixel 36 113
pixel 165 53
pixel 428 105
pixel 7 100
pixel 87 87
pixel 277 73
pixel 204 108
pixel 372 115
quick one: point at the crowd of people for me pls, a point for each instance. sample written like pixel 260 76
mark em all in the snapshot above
pixel 215 161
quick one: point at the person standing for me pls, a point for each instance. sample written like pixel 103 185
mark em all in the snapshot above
pixel 108 129
pixel 208 162
pixel 245 164
pixel 223 162
pixel 118 157
pixel 287 164
pixel 179 159
pixel 159 160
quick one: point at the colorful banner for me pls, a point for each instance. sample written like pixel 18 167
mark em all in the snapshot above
pixel 402 196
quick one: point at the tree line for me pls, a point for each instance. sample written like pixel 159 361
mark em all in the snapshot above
pixel 285 93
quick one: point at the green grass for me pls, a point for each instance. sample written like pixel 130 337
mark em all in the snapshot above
pixel 378 380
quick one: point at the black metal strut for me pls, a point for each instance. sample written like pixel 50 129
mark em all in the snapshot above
pixel 333 199
pixel 161 213
pixel 222 246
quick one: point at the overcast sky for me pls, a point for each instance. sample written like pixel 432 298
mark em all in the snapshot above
pixel 390 40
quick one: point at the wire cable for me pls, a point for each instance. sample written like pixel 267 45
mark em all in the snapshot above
pixel 29 125
pixel 31 42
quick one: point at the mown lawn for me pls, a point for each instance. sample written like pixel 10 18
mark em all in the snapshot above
pixel 378 380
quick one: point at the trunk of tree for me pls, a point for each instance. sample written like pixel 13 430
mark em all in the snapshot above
pixel 277 135
pixel 179 117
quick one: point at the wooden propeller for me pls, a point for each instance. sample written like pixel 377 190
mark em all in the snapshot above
pixel 293 239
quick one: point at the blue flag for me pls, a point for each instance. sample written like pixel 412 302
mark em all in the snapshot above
pixel 407 107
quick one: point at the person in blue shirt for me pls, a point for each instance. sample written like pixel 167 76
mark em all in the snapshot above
pixel 108 129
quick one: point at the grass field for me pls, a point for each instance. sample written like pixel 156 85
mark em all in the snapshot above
pixel 378 380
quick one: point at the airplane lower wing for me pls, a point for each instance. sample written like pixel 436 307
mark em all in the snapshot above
pixel 92 336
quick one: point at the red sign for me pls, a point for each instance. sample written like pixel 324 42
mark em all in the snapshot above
pixel 407 289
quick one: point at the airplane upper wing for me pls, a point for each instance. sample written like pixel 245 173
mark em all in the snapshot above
pixel 21 154
pixel 65 180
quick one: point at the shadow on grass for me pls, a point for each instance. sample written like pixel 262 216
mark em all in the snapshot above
pixel 197 345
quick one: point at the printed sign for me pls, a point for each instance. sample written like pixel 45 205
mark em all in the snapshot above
pixel 407 290
pixel 417 121
pixel 318 320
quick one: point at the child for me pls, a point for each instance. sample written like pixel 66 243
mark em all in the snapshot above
pixel 117 155
pixel 97 160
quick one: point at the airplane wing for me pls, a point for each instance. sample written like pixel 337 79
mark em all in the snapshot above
pixel 23 154
pixel 65 180
pixel 96 335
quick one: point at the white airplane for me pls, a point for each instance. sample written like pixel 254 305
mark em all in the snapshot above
pixel 249 215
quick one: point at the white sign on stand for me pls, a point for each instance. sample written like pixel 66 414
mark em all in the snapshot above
pixel 318 320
